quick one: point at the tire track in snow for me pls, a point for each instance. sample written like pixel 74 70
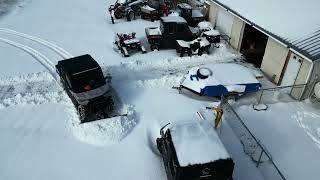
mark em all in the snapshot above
pixel 42 59
pixel 59 50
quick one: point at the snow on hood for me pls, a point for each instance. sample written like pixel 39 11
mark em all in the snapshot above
pixel 197 143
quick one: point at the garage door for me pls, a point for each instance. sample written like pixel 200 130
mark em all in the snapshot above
pixel 224 22
pixel 291 72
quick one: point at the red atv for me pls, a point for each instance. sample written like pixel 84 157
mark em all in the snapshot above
pixel 127 43
pixel 125 9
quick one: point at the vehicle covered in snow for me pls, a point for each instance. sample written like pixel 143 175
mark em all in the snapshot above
pixel 128 9
pixel 148 12
pixel 196 47
pixel 85 84
pixel 206 29
pixel 127 43
pixel 192 16
pixel 192 150
pixel 224 79
pixel 171 28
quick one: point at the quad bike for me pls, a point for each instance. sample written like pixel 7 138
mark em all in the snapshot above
pixel 127 43
pixel 125 9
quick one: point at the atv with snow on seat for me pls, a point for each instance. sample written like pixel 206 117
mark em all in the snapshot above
pixel 192 150
pixel 195 47
pixel 83 80
pixel 128 9
pixel 127 43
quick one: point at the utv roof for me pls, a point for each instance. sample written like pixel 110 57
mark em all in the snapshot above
pixel 176 19
pixel 78 64
pixel 197 143
pixel 185 6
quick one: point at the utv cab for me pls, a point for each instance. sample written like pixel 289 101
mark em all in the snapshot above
pixel 193 151
pixel 83 80
pixel 171 28
pixel 192 16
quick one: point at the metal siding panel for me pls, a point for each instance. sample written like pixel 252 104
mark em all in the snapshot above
pixel 236 33
pixel 224 21
pixel 301 78
pixel 274 60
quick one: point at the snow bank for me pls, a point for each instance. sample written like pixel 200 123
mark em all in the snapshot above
pixel 26 78
pixel 102 132
pixel 32 99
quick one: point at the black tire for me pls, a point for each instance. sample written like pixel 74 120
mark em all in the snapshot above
pixel 112 20
pixel 131 16
pixel 154 47
pixel 124 52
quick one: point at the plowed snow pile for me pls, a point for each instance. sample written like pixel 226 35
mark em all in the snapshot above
pixel 102 132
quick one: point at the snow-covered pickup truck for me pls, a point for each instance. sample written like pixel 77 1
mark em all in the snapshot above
pixel 171 28
pixel 192 150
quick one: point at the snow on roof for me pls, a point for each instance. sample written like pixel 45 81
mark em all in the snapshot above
pixel 226 74
pixel 185 6
pixel 196 13
pixel 287 20
pixel 197 143
pixel 177 19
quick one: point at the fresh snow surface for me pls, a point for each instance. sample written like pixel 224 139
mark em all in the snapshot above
pixel 197 143
pixel 154 31
pixel 290 19
pixel 236 75
pixel 40 132
pixel 290 132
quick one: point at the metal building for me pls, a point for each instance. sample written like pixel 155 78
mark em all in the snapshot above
pixel 280 37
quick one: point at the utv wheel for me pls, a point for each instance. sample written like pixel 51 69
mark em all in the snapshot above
pixel 143 49
pixel 124 52
pixel 112 20
pixel 82 112
pixel 154 47
pixel 131 16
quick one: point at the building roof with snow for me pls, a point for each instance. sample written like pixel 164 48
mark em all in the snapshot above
pixel 294 23
pixel 197 143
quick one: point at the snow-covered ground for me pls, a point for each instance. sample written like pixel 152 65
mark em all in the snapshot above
pixel 40 131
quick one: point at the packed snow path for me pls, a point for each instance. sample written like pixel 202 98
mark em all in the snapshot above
pixel 59 50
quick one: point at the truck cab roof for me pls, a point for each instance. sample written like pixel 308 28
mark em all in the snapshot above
pixel 78 64
pixel 197 143
pixel 173 19
pixel 184 6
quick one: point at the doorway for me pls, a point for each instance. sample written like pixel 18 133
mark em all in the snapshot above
pixel 253 45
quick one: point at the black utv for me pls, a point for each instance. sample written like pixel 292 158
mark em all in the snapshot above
pixel 85 84
pixel 192 16
pixel 171 28
pixel 191 151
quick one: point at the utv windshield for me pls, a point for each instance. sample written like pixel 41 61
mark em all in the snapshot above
pixel 87 80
